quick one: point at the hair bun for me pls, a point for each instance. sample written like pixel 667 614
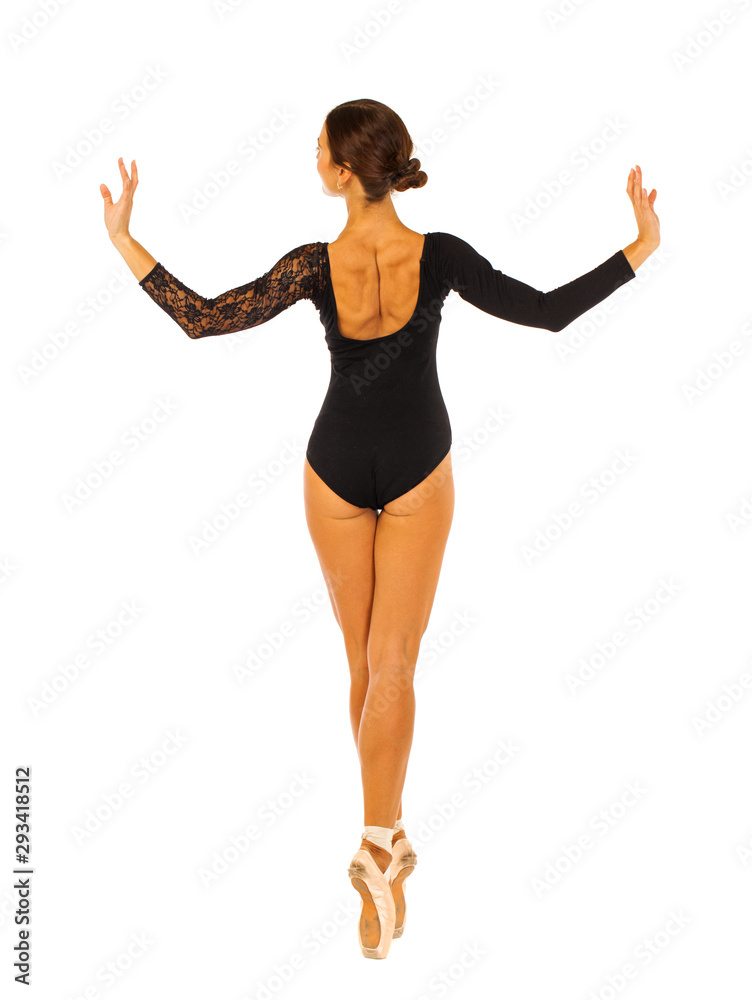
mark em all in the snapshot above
pixel 411 167
pixel 409 176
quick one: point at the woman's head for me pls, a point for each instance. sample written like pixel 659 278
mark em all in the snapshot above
pixel 367 139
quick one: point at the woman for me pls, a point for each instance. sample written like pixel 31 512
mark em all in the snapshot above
pixel 379 494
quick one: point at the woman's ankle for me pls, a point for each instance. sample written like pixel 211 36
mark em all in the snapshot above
pixel 380 856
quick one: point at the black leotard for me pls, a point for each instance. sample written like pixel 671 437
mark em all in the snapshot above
pixel 383 426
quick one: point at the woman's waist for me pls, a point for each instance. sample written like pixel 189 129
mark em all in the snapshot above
pixel 357 396
pixel 373 410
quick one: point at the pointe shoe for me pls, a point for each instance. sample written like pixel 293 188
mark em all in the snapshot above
pixel 404 860
pixel 376 922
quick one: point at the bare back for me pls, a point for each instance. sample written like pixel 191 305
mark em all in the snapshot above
pixel 375 282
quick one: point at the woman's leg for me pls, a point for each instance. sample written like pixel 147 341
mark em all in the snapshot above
pixel 343 536
pixel 409 543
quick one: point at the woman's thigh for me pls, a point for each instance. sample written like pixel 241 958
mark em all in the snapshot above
pixel 408 551
pixel 343 537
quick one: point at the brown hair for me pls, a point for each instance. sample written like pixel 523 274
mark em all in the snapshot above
pixel 371 140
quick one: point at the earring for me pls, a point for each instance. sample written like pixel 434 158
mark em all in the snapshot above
pixel 339 186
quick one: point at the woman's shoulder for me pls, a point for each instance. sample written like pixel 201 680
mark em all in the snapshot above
pixel 450 241
pixel 447 251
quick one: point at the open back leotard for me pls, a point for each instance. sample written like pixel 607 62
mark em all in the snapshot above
pixel 383 426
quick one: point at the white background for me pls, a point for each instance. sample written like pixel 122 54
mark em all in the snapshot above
pixel 477 912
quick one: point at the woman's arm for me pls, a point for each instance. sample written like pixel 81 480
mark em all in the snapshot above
pixel 477 281
pixel 138 259
pixel 296 275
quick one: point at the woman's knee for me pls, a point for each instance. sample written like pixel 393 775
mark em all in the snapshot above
pixel 395 658
pixel 359 672
pixel 387 691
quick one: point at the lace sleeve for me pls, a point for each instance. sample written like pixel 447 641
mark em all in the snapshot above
pixel 295 276
pixel 475 279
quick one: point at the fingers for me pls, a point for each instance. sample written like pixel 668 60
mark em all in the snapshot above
pixel 124 172
pixel 642 201
pixel 635 189
pixel 106 194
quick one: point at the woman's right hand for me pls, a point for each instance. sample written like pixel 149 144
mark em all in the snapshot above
pixel 648 225
pixel 117 216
